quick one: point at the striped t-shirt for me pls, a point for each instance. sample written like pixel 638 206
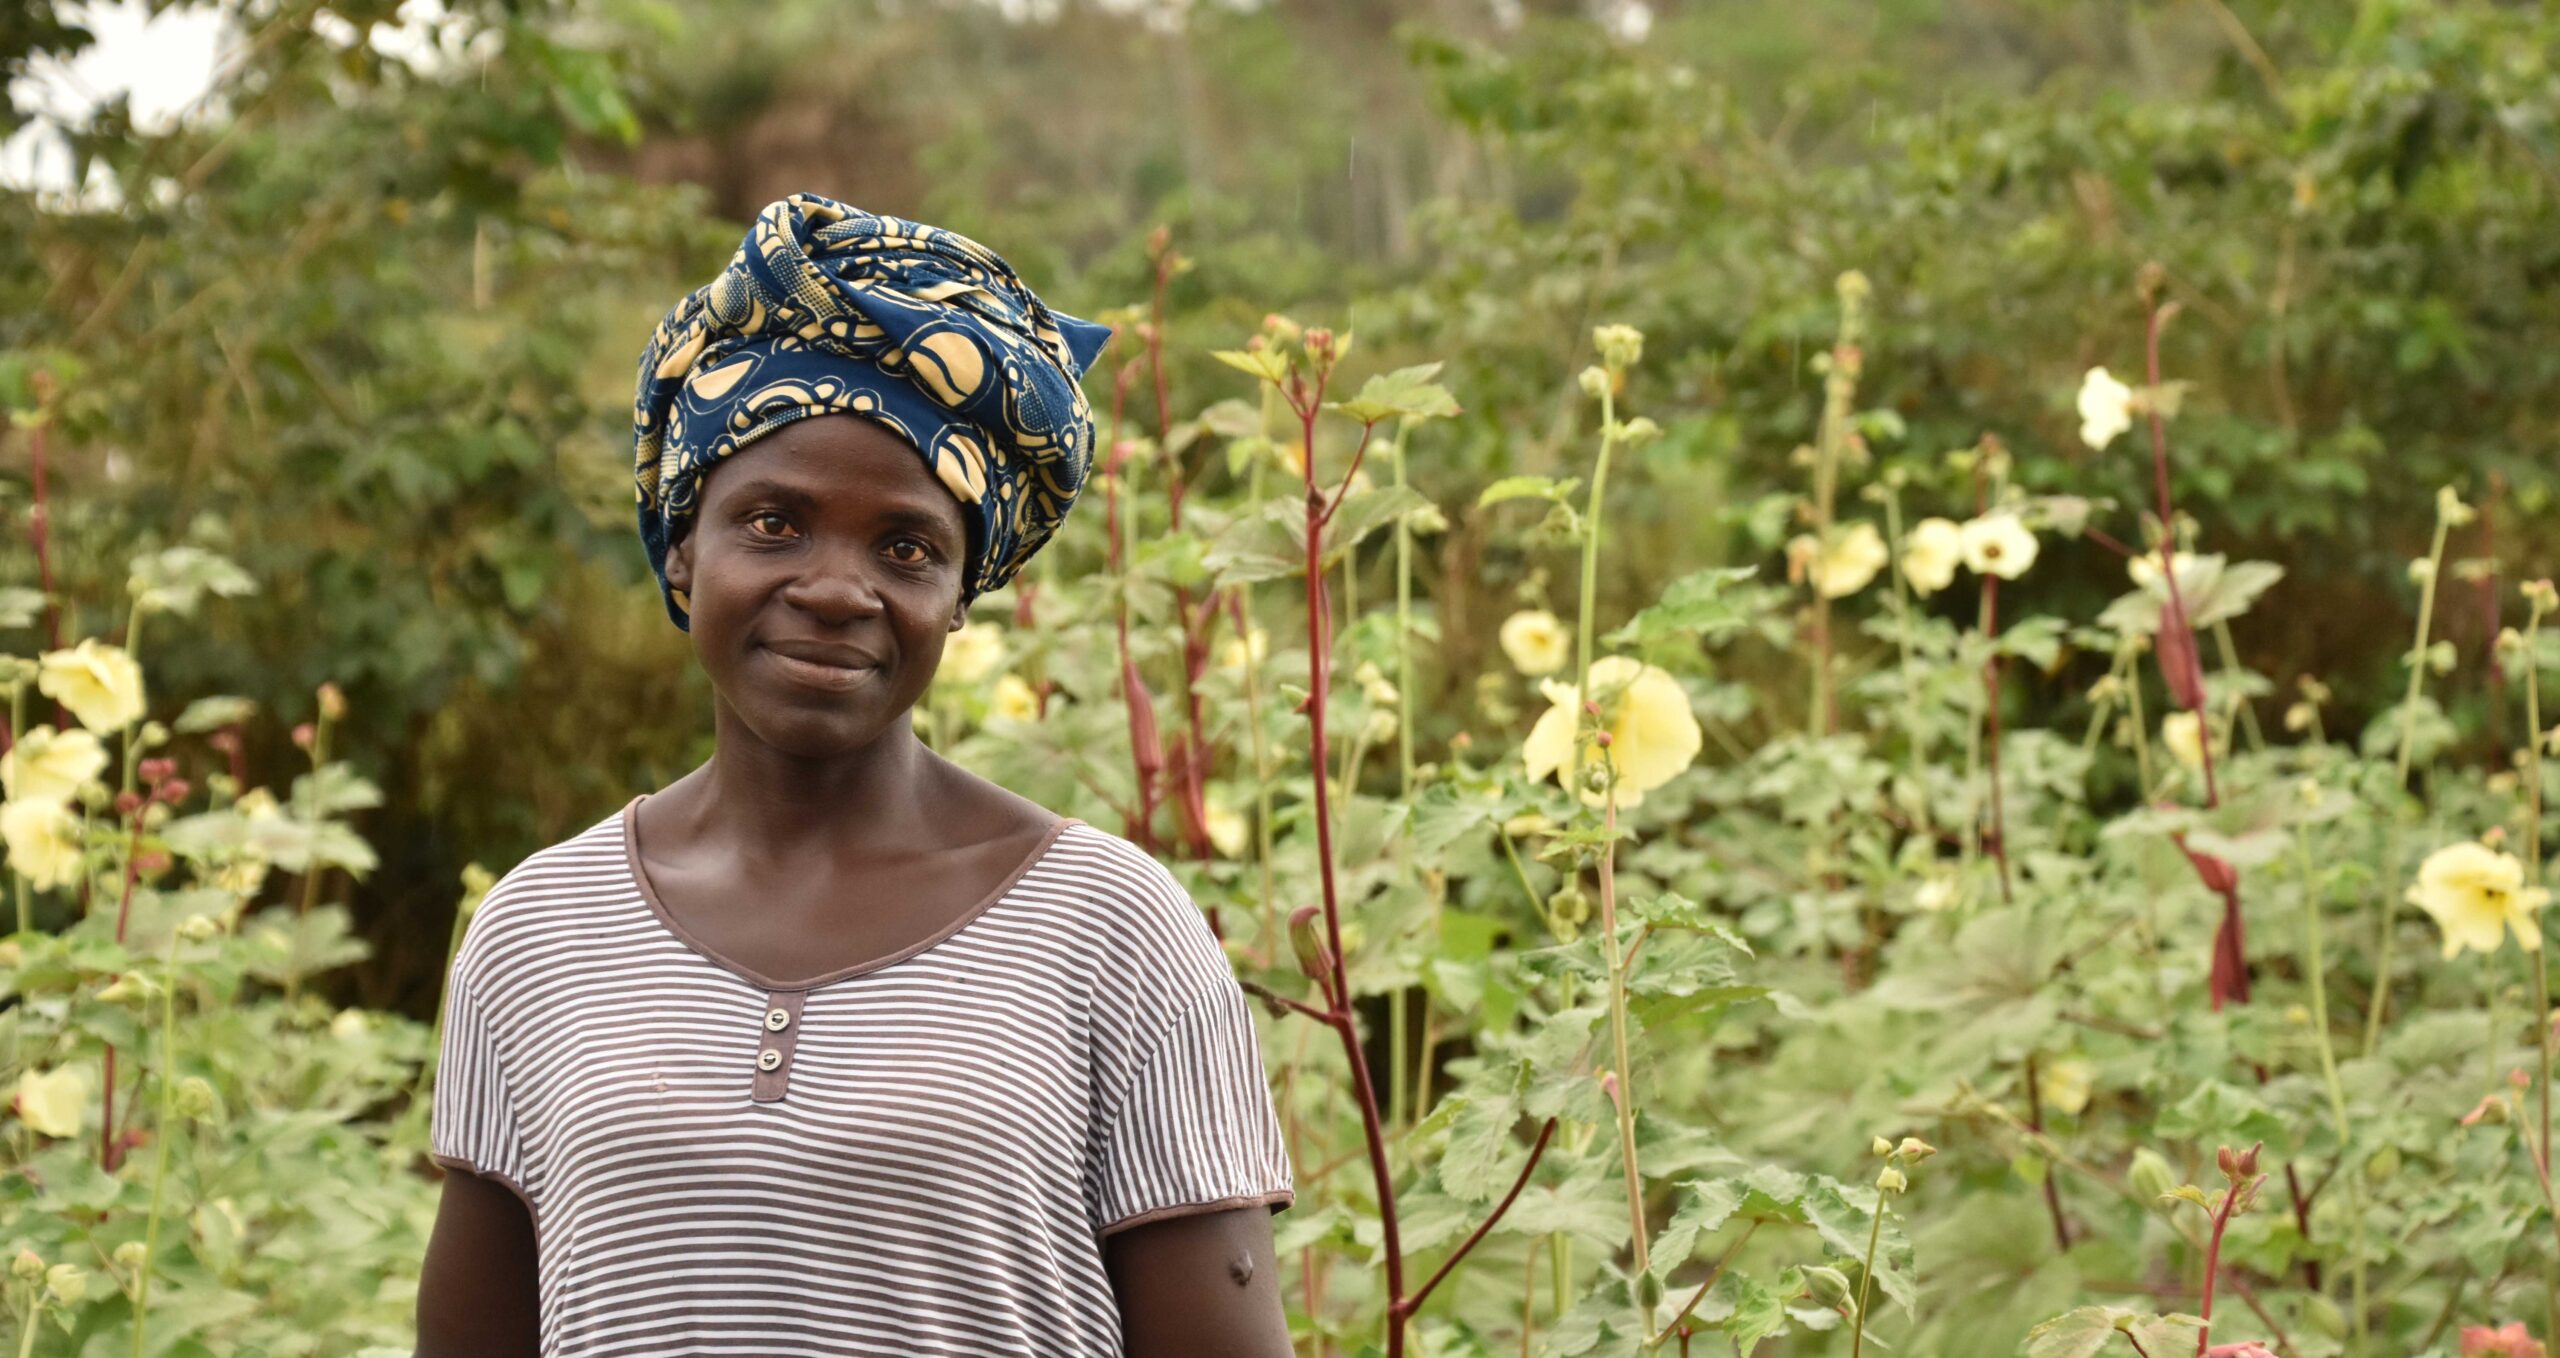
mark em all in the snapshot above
pixel 919 1154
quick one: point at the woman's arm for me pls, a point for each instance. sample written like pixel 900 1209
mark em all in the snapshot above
pixel 1199 1286
pixel 477 1295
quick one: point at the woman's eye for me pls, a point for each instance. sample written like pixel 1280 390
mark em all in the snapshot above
pixel 761 518
pixel 923 553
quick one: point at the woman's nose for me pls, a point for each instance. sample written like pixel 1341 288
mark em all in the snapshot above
pixel 835 581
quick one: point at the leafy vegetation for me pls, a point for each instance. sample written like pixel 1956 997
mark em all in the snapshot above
pixel 1859 713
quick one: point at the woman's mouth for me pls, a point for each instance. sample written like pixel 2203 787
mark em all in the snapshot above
pixel 813 674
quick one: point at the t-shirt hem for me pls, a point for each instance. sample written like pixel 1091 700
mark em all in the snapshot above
pixel 457 1162
pixel 1278 1200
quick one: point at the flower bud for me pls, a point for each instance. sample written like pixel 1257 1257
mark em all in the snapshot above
pixel 2150 1177
pixel 303 735
pixel 1913 1150
pixel 2382 1166
pixel 194 1098
pixel 199 927
pixel 151 735
pixel 1609 1086
pixel 333 703
pixel 156 769
pixel 1828 1286
pixel 1649 1291
pixel 1892 1180
pixel 1882 1146
pixel 132 1254
pixel 126 803
pixel 1594 382
pixel 67 1282
pixel 28 1264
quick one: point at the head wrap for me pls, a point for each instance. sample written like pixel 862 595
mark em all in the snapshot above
pixel 827 308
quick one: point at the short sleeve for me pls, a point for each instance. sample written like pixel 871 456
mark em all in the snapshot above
pixel 1195 1131
pixel 472 1125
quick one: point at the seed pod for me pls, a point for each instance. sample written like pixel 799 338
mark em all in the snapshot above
pixel 1309 944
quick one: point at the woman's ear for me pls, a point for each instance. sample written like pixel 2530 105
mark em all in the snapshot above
pixel 959 616
pixel 680 564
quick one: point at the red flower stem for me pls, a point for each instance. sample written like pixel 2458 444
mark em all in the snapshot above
pixel 2213 1258
pixel 1307 404
pixel 2052 1193
pixel 1142 743
pixel 107 1156
pixel 1991 746
pixel 2169 530
pixel 1679 1321
pixel 1406 1306
pixel 1192 754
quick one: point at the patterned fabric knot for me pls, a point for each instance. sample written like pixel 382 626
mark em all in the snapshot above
pixel 828 309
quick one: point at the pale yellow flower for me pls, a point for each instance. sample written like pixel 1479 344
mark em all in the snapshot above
pixel 2066 1085
pixel 972 653
pixel 67 1282
pixel 2106 408
pixel 43 837
pixel 1374 685
pixel 1014 699
pixel 1931 553
pixel 1237 652
pixel 1536 641
pixel 1845 564
pixel 1653 734
pixel 47 763
pixel 99 683
pixel 54 1102
pixel 1998 544
pixel 2183 733
pixel 1620 346
pixel 349 1025
pixel 2475 895
pixel 1228 829
pixel 1934 895
pixel 2144 570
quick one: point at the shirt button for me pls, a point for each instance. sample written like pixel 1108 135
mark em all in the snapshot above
pixel 775 1020
pixel 768 1059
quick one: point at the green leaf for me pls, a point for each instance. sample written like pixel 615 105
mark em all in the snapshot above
pixel 1270 545
pixel 1705 604
pixel 1269 364
pixel 1364 512
pixel 1527 487
pixel 1408 393
pixel 2090 1329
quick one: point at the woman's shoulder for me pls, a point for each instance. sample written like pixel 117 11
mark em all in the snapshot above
pixel 543 890
pixel 1138 908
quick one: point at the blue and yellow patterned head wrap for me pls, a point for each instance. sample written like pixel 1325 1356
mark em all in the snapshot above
pixel 829 309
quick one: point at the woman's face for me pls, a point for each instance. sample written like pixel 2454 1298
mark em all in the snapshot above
pixel 823 570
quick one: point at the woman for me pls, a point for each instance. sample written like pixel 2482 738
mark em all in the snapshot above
pixel 831 1046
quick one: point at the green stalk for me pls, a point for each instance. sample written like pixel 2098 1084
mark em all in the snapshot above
pixel 26 906
pixel 167 1133
pixel 1404 622
pixel 2536 959
pixel 1626 1100
pixel 2312 937
pixel 1902 642
pixel 1867 1278
pixel 132 648
pixel 1590 582
pixel 2394 848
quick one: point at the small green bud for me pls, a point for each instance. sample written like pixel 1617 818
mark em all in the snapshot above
pixel 1649 1291
pixel 194 1097
pixel 67 1282
pixel 2383 1165
pixel 28 1264
pixel 131 1254
pixel 1828 1286
pixel 1883 1147
pixel 2151 1178
pixel 1893 1181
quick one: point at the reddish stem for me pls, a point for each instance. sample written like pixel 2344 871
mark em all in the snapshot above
pixel 2052 1194
pixel 1991 707
pixel 2231 969
pixel 1144 751
pixel 107 1156
pixel 1406 1306
pixel 1307 403
pixel 2213 1256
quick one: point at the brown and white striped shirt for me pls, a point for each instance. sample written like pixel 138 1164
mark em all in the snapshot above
pixel 919 1154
